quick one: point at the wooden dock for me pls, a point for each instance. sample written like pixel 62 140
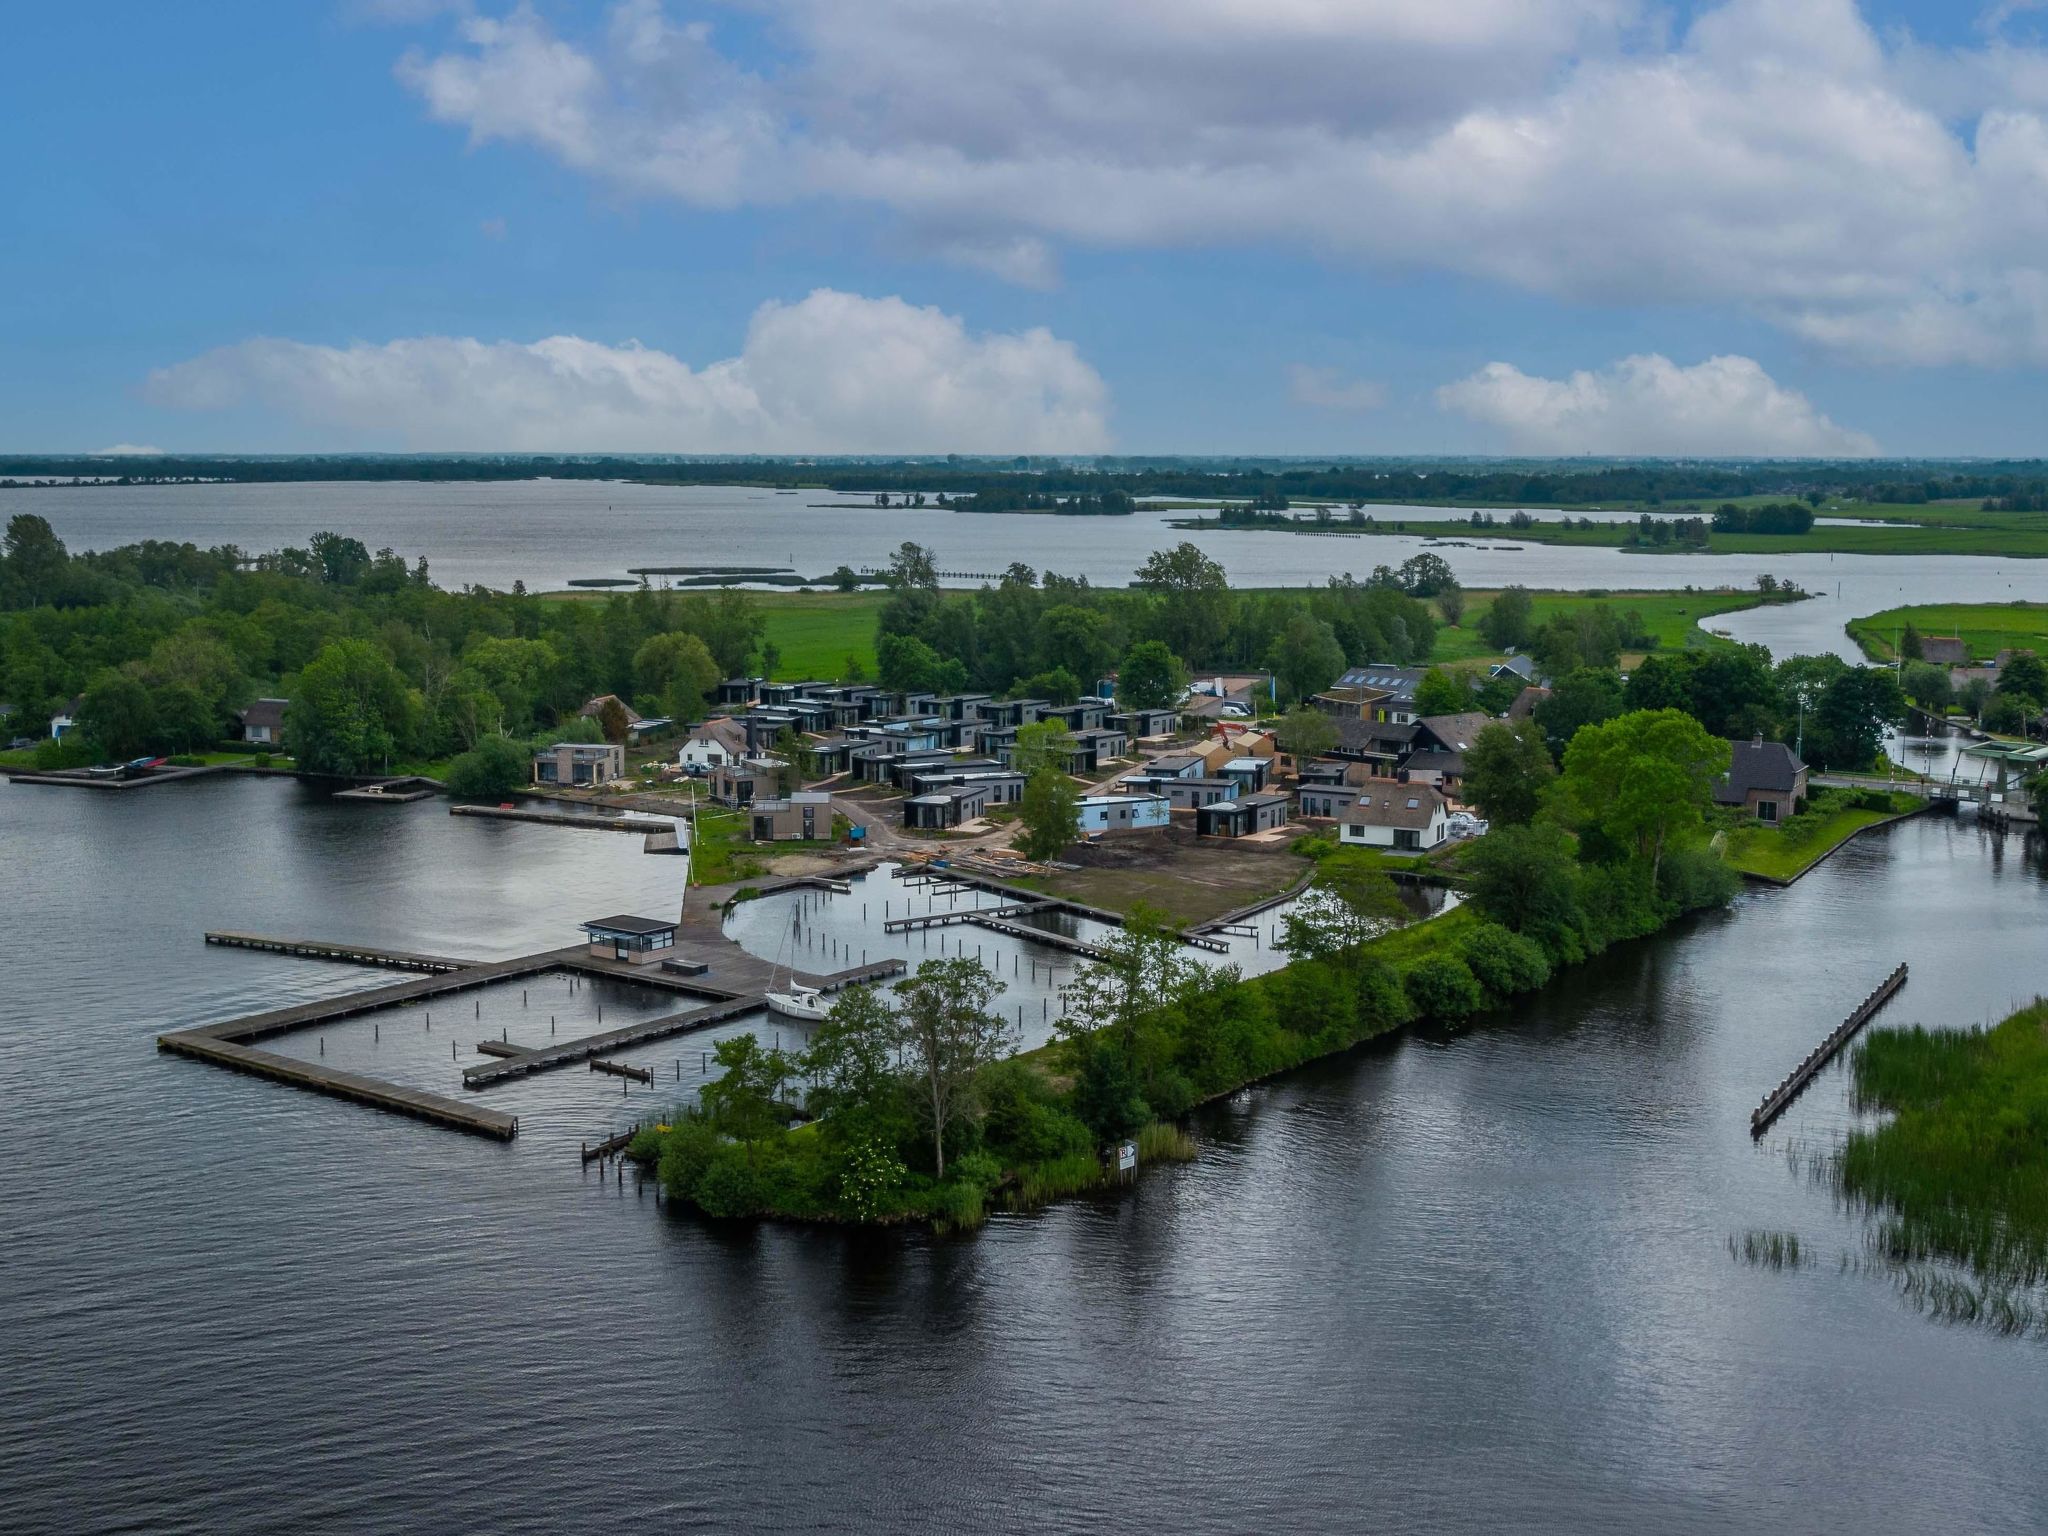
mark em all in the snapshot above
pixel 351 954
pixel 453 1113
pixel 645 822
pixel 621 1069
pixel 1778 1098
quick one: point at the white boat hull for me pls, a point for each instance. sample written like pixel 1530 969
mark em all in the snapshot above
pixel 808 1006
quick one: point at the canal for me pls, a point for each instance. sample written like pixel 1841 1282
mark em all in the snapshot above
pixel 1454 1280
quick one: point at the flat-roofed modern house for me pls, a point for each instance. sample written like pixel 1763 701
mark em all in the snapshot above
pixel 1183 794
pixel 569 764
pixel 804 814
pixel 1145 724
pixel 1241 817
pixel 1124 813
pixel 739 691
pixel 746 780
pixel 1409 817
pixel 1176 765
pixel 1764 779
pixel 632 940
pixel 1093 748
pixel 1396 684
pixel 1082 715
pixel 1251 772
pixel 945 808
pixel 1005 786
pixel 263 721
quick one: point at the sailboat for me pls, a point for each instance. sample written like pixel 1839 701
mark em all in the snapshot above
pixel 794 1000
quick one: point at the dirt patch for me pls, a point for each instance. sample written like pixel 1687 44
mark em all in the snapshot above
pixel 1192 881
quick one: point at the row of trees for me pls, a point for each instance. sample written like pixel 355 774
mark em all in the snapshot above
pixel 164 643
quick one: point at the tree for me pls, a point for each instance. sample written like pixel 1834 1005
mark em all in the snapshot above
pixel 1733 691
pixel 851 1060
pixel 1305 657
pixel 1508 771
pixel 1140 967
pixel 745 1101
pixel 1848 722
pixel 1059 686
pixel 950 1035
pixel 1151 677
pixel 339 561
pixel 1450 602
pixel 905 664
pixel 913 565
pixel 1645 778
pixel 611 715
pixel 350 711
pixel 846 579
pixel 1425 575
pixel 1193 599
pixel 1041 744
pixel 1304 732
pixel 1509 620
pixel 1076 639
pixel 1524 878
pixel 1928 686
pixel 118 716
pixel 35 561
pixel 678 669
pixel 1585 697
pixel 490 770
pixel 1050 812
pixel 2025 677
pixel 1443 691
pixel 1662 682
pixel 1910 647
pixel 1352 899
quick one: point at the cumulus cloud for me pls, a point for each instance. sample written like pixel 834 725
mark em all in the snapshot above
pixel 1723 407
pixel 833 373
pixel 1325 389
pixel 1868 194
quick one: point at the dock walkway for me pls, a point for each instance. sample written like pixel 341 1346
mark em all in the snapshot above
pixel 342 1085
pixel 351 954
pixel 1796 1080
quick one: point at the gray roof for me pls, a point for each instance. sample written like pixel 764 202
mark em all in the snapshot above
pixel 1400 681
pixel 1456 732
pixel 1407 805
pixel 1768 766
pixel 268 712
pixel 1373 735
pixel 635 925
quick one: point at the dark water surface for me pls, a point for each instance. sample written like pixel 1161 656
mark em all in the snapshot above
pixel 1470 1282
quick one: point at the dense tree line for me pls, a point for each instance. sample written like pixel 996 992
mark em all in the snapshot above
pixel 1266 482
pixel 166 642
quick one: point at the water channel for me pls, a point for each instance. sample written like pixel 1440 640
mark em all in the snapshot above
pixel 1451 1281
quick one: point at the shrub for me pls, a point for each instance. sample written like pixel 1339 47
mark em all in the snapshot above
pixel 729 1186
pixel 1107 1096
pixel 686 1152
pixel 494 767
pixel 1443 987
pixel 1692 878
pixel 1505 963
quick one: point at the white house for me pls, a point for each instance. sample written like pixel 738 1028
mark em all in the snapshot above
pixel 1410 818
pixel 1123 813
pixel 263 721
pixel 712 745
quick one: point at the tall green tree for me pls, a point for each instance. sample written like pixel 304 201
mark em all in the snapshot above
pixel 1509 620
pixel 1193 604
pixel 1352 899
pixel 1508 771
pixel 1151 677
pixel 1848 723
pixel 1443 691
pixel 1305 732
pixel 350 713
pixel 950 1033
pixel 1050 813
pixel 1579 699
pixel 1645 779
pixel 118 716
pixel 1305 657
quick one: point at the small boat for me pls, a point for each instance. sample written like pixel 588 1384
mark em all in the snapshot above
pixel 806 1003
pixel 794 999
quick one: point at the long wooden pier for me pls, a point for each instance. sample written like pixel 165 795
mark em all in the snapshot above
pixel 641 822
pixel 374 1092
pixel 351 954
pixel 1795 1082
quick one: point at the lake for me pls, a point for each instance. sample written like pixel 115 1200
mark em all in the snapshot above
pixel 1453 1281
pixel 547 533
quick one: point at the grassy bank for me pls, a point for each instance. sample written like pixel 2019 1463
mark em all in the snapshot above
pixel 1986 628
pixel 1785 852
pixel 1673 617
pixel 1960 1171
pixel 2013 535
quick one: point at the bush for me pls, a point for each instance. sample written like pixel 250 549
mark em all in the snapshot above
pixel 492 769
pixel 1505 963
pixel 1692 878
pixel 729 1186
pixel 1443 987
pixel 686 1152
pixel 1107 1095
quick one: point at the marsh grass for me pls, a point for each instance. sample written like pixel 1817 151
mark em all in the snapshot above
pixel 1770 1250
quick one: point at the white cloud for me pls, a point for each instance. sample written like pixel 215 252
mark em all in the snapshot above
pixel 129 451
pixel 1868 194
pixel 834 372
pixel 1723 407
pixel 1326 389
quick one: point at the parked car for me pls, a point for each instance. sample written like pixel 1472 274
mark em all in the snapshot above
pixel 1465 824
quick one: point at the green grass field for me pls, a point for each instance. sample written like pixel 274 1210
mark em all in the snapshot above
pixel 817 633
pixel 1673 617
pixel 1787 852
pixel 1987 628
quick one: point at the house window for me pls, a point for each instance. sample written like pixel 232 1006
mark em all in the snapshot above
pixel 1767 810
pixel 1407 837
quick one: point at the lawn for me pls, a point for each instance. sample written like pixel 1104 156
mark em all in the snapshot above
pixel 1673 617
pixel 1987 628
pixel 816 634
pixel 1786 852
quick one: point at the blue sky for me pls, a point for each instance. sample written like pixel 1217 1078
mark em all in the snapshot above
pixel 265 227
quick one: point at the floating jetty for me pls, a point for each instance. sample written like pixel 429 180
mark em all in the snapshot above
pixel 1778 1098
pixel 352 954
pixel 589 822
